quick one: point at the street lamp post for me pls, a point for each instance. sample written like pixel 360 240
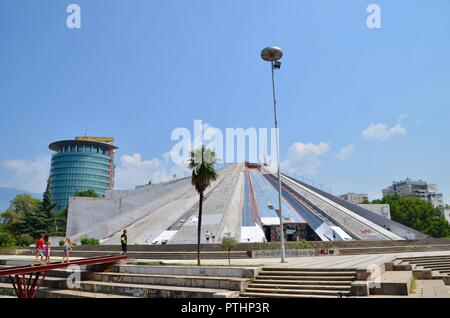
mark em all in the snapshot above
pixel 272 55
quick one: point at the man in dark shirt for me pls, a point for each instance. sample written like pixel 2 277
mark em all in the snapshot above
pixel 124 241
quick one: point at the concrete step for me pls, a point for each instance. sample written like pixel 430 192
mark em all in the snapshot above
pixel 438 260
pixel 303 282
pixel 295 291
pixel 300 287
pixel 393 249
pixel 321 270
pixel 157 291
pixel 205 271
pixel 230 283
pixel 306 273
pixel 437 267
pixel 282 295
pixel 53 282
pixel 63 273
pixel 76 294
pixel 425 258
pixel 429 263
pixel 6 289
pixel 312 278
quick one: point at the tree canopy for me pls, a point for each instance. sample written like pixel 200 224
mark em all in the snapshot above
pixel 417 214
pixel 27 217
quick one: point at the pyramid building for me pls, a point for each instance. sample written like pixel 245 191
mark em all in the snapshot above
pixel 240 202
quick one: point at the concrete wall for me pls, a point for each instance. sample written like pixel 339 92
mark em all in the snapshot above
pixel 99 217
pixel 380 209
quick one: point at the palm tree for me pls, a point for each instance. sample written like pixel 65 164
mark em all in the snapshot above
pixel 201 162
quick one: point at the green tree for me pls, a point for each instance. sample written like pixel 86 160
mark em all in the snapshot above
pixel 42 220
pixel 202 162
pixel 417 214
pixel 87 193
pixel 7 240
pixel 18 218
pixel 229 243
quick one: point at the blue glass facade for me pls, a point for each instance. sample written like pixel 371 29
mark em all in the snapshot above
pixel 79 166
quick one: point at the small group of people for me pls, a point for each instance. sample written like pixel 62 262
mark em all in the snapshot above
pixel 43 250
pixel 210 237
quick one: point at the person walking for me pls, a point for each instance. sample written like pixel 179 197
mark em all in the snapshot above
pixel 39 249
pixel 124 242
pixel 213 237
pixel 207 236
pixel 66 248
pixel 47 252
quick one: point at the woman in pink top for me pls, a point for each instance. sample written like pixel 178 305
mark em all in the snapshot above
pixel 47 251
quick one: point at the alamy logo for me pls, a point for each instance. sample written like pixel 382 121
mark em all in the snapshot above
pixel 73 281
pixel 74 19
pixel 235 145
pixel 374 19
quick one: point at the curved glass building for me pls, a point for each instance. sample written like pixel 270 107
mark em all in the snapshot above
pixel 80 165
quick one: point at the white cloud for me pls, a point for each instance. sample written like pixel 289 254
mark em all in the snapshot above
pixel 27 175
pixel 133 171
pixel 305 159
pixel 381 132
pixel 345 152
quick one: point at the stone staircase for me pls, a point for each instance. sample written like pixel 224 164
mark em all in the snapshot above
pixel 301 283
pixel 434 263
pixel 141 281
pixel 427 267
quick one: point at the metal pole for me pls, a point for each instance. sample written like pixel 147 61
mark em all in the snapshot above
pixel 278 166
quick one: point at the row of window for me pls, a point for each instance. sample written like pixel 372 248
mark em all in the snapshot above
pixel 79 171
pixel 80 164
pixel 83 148
pixel 78 176
pixel 80 157
pixel 69 184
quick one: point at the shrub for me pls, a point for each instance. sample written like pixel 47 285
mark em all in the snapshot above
pixel 7 240
pixel 24 240
pixel 228 243
pixel 89 241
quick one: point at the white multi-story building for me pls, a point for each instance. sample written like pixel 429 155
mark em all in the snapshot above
pixel 416 189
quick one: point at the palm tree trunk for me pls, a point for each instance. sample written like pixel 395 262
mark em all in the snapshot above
pixel 199 230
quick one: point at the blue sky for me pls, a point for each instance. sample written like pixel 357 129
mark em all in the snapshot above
pixel 358 107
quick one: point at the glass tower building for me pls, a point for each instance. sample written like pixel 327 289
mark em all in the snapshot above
pixel 80 165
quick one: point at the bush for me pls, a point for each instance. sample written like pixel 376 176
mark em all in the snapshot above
pixel 24 240
pixel 7 240
pixel 229 243
pixel 89 241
